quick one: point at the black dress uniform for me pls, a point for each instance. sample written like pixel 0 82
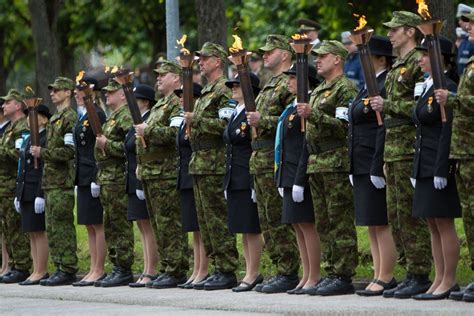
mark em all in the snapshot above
pixel 366 148
pixel 28 187
pixel 433 140
pixel 136 209
pixel 89 209
pixel 238 183
pixel 292 169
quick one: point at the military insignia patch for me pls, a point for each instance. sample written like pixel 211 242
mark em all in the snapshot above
pixel 58 123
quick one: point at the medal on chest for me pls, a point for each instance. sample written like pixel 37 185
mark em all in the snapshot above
pixel 243 128
pixel 403 70
pixel 290 120
pixel 326 95
pixel 430 107
pixel 366 105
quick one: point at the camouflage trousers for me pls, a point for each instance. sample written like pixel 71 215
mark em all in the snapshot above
pixel 118 229
pixel 411 235
pixel 465 182
pixel 163 207
pixel 212 217
pixel 17 242
pixel 280 240
pixel 59 212
pixel 334 213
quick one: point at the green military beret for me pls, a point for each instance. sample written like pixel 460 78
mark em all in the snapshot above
pixel 276 41
pixel 13 94
pixel 112 85
pixel 212 49
pixel 404 18
pixel 62 83
pixel 166 66
pixel 331 47
pixel 468 16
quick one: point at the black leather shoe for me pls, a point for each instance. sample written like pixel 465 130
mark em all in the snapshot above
pixel 89 283
pixel 34 282
pixel 322 282
pixel 185 284
pixel 168 281
pixel 259 287
pixel 401 285
pixel 140 284
pixel 120 278
pixel 281 284
pixel 15 276
pixel 292 291
pixel 456 295
pixel 107 277
pixel 417 285
pixel 200 285
pixel 468 297
pixel 385 286
pixel 338 286
pixel 3 275
pixel 222 281
pixel 244 286
pixel 431 296
pixel 59 278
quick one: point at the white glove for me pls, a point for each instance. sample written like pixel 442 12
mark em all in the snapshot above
pixel 413 182
pixel 297 193
pixel 440 183
pixel 280 191
pixel 351 179
pixel 39 205
pixel 140 194
pixel 95 190
pixel 17 206
pixel 378 182
pixel 254 196
pixel 225 195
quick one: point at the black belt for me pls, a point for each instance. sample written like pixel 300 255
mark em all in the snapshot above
pixel 323 147
pixel 394 122
pixel 206 144
pixel 261 144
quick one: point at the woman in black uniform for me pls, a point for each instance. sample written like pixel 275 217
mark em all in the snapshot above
pixel 89 209
pixel 29 201
pixel 366 147
pixel 436 197
pixel 292 183
pixel 137 210
pixel 238 186
pixel 189 220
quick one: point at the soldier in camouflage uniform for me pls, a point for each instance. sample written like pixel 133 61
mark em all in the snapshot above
pixel 280 241
pixel 462 149
pixel 328 166
pixel 411 234
pixel 109 154
pixel 58 184
pixel 207 166
pixel 17 243
pixel 4 122
pixel 157 171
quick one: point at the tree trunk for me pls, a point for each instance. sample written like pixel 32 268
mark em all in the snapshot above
pixel 212 23
pixel 44 16
pixel 3 67
pixel 445 10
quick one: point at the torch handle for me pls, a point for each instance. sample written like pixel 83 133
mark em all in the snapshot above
pixel 132 103
pixel 92 115
pixel 34 130
pixel 246 86
pixel 443 113
pixel 188 100
pixel 302 83
pixel 36 163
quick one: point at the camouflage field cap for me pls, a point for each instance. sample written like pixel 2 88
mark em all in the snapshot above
pixel 166 66
pixel 13 94
pixel 276 41
pixel 331 47
pixel 112 85
pixel 403 18
pixel 468 16
pixel 62 83
pixel 212 49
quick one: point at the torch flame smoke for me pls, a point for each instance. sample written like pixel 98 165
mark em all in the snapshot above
pixel 79 76
pixel 423 9
pixel 181 42
pixel 362 22
pixel 299 36
pixel 237 45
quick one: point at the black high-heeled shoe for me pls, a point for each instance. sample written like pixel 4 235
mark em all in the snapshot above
pixel 34 282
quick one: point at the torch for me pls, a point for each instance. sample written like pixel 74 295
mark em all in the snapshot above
pixel 360 36
pixel 239 57
pixel 32 103
pixel 301 44
pixel 85 92
pixel 187 59
pixel 431 29
pixel 124 78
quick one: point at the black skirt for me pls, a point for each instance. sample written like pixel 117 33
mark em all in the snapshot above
pixel 242 212
pixel 370 203
pixel 431 203
pixel 294 213
pixel 189 219
pixel 136 208
pixel 30 221
pixel 89 209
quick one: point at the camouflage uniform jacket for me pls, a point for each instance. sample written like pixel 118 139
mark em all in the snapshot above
pixel 400 84
pixel 111 167
pixel 463 124
pixel 323 129
pixel 58 157
pixel 271 102
pixel 207 126
pixel 9 155
pixel 159 159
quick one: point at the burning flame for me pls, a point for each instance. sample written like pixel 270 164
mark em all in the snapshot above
pixel 181 42
pixel 237 45
pixel 362 22
pixel 114 69
pixel 107 69
pixel 79 76
pixel 29 90
pixel 423 9
pixel 299 36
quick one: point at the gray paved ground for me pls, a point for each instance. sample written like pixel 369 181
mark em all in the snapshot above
pixel 34 300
